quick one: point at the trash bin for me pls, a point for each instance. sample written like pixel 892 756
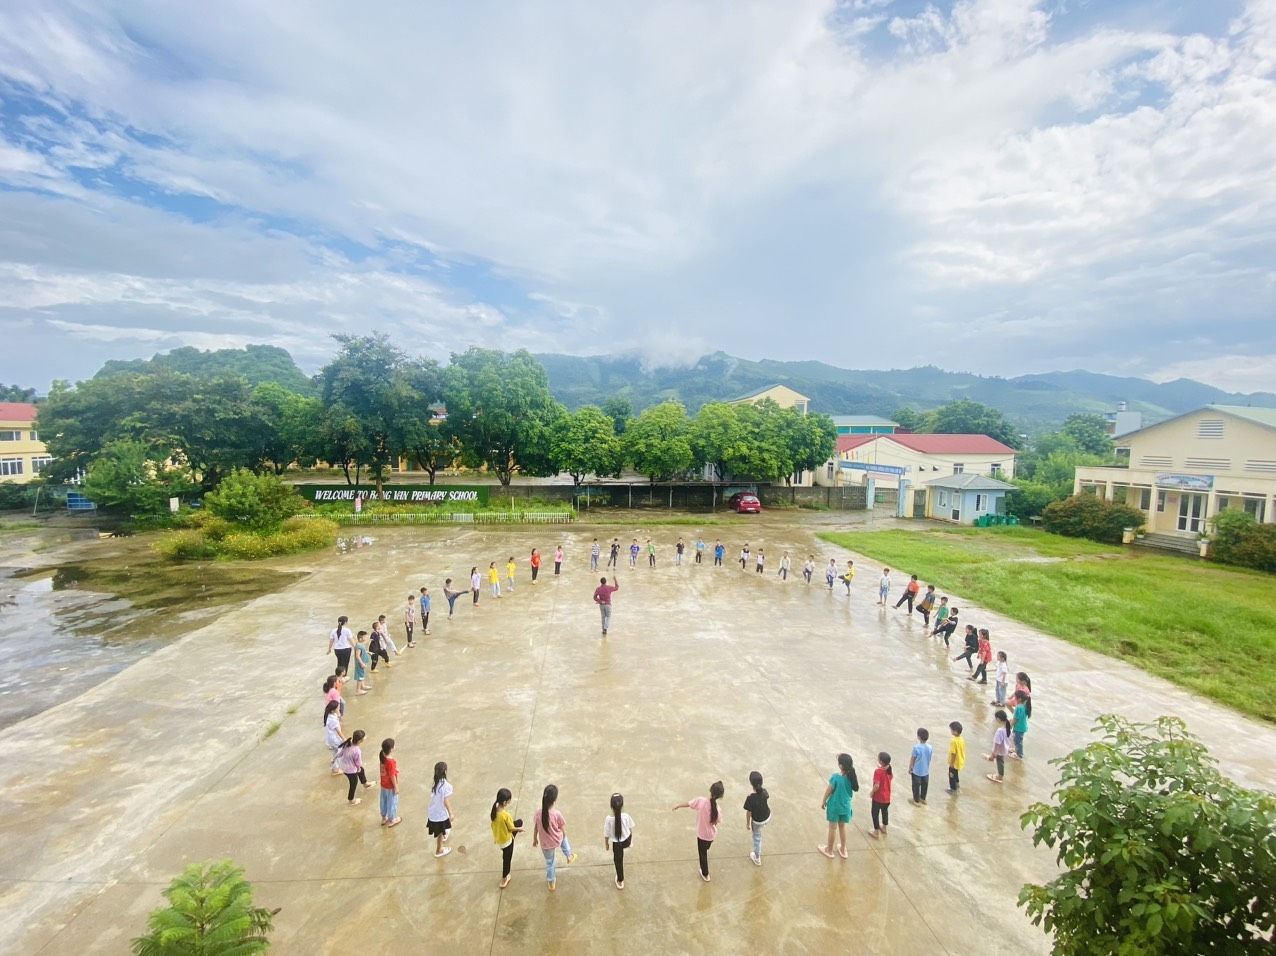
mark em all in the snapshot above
pixel 982 521
pixel 1012 519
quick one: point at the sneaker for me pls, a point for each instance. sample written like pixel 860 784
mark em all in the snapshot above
pixel 620 885
pixel 705 877
pixel 754 857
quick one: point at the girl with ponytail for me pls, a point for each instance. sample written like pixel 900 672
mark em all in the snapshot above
pixel 504 827
pixel 350 762
pixel 389 785
pixel 438 821
pixel 706 823
pixel 837 804
pixel 618 834
pixel 550 833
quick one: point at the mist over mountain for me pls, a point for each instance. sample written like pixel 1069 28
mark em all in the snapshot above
pixel 1033 401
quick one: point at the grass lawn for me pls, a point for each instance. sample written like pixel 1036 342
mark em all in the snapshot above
pixel 1203 627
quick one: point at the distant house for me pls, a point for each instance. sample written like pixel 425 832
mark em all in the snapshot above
pixel 864 425
pixel 1185 470
pixel 22 454
pixel 964 497
pixel 782 395
pixel 915 458
pixel 1122 421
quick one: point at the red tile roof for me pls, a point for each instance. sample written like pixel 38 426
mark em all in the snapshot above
pixel 849 442
pixel 952 444
pixel 16 412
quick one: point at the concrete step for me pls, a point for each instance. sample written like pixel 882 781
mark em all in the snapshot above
pixel 1169 542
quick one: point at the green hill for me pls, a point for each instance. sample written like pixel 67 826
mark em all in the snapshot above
pixel 256 363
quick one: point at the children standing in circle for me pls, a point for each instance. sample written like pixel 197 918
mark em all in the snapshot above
pixel 535 562
pixel 678 549
pixel 618 835
pixel 350 762
pixel 757 811
pixel 439 818
pixel 761 559
pixel 550 834
pixel 706 823
pixel 881 795
pixel 837 804
pixel 339 643
pixel 699 549
pixel 389 785
pixel 504 828
pixel 919 766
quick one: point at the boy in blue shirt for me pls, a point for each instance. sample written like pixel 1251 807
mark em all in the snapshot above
pixel 919 766
pixel 425 610
pixel 718 551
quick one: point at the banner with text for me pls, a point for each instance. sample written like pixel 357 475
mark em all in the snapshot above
pixel 430 495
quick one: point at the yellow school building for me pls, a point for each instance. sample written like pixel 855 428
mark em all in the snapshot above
pixel 22 454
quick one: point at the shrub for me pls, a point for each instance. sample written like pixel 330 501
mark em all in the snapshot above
pixel 1239 539
pixel 184 545
pixel 292 537
pixel 14 495
pixel 1030 498
pixel 210 912
pixel 259 502
pixel 1088 516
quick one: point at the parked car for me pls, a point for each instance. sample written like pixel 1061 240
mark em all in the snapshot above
pixel 746 503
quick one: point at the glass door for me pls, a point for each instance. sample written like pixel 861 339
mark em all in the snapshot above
pixel 1191 513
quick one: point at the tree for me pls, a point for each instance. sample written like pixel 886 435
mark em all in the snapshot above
pixel 342 442
pixel 620 410
pixel 1164 854
pixel 420 433
pixel 290 426
pixel 585 443
pixel 15 393
pixel 810 440
pixel 912 420
pixel 258 502
pixel 500 411
pixel 965 417
pixel 210 912
pixel 717 436
pixel 764 455
pixel 366 381
pixel 657 441
pixel 126 474
pixel 1089 432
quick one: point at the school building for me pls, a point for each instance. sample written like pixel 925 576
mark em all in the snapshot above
pixel 1183 471
pixel 22 454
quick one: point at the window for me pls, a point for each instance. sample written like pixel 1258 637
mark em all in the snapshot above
pixel 10 435
pixel 943 499
pixel 1123 455
pixel 10 466
pixel 35 435
pixel 1209 428
pixel 1256 508
pixel 1156 461
pixel 1121 494
pixel 38 462
pixel 995 468
pixel 1223 501
pixel 1160 501
pixel 1145 498
pixel 1261 466
pixel 1209 464
pixel 958 467
pixel 981 502
pixel 831 467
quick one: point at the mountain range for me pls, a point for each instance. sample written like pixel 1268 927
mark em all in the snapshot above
pixel 1034 402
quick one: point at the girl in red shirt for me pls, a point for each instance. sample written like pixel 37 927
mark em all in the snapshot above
pixel 881 795
pixel 536 564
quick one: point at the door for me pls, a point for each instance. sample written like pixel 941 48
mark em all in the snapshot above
pixel 1191 513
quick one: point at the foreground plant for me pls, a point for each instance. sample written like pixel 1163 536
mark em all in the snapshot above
pixel 210 913
pixel 1164 854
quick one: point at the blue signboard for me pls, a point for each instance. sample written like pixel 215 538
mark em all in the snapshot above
pixel 869 466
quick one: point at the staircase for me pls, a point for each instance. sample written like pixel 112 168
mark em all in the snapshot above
pixel 1169 542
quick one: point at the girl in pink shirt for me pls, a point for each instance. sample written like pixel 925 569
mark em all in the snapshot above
pixel 706 823
pixel 550 833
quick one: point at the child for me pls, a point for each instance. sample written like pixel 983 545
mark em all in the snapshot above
pixel 719 552
pixel 425 609
pixel 535 562
pixel 332 731
pixel 744 557
pixel 613 556
pixel 784 566
pixel 350 762
pixel 928 602
pixel 699 549
pixel 389 785
pixel 651 554
pixel 558 560
pixel 972 647
pixel 550 833
pixel 476 584
pixel 909 595
pixel 919 766
pixel 881 795
pixel 386 639
pixel 634 551
pixel 761 559
pixel 1003 675
pixel 677 553
pixel 837 804
pixel 808 569
pixel 361 663
pixel 409 619
pixel 439 819
pixel 950 625
pixel 510 569
pixel 451 598
pixel 1020 726
pixel 830 573
pixel 849 576
pixel 618 834
pixel 1000 746
pixel 595 552
pixel 956 758
pixel 941 617
pixel 884 587
pixel 757 811
pixel 332 692
pixel 504 827
pixel 1023 683
pixel 984 655
pixel 494 579
pixel 706 823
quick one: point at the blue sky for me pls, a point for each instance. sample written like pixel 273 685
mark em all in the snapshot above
pixel 999 186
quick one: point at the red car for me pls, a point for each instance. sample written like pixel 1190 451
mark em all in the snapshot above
pixel 745 503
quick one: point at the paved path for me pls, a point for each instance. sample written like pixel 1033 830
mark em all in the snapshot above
pixel 707 674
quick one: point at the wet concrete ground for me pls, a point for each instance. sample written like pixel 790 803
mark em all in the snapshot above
pixel 707 673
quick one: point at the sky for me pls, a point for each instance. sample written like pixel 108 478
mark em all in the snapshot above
pixel 994 186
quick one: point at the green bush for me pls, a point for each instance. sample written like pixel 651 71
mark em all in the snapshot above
pixel 258 502
pixel 1239 539
pixel 294 536
pixel 184 545
pixel 1089 516
pixel 1030 498
pixel 14 495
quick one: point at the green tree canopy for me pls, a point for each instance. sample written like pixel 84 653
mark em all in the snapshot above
pixel 584 443
pixel 1162 853
pixel 16 393
pixel 965 417
pixel 258 502
pixel 718 437
pixel 657 442
pixel 210 912
pixel 128 475
pixel 1089 432
pixel 620 410
pixel 500 412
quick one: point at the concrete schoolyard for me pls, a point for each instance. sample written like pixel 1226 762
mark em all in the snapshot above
pixel 707 673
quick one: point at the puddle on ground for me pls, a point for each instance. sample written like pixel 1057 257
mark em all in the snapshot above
pixel 69 628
